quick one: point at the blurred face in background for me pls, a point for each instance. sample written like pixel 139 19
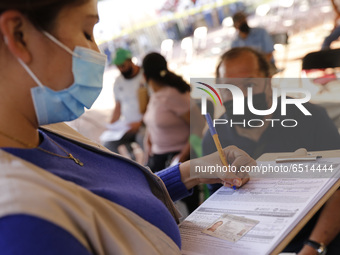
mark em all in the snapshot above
pixel 242 25
pixel 126 69
pixel 240 71
pixel 244 72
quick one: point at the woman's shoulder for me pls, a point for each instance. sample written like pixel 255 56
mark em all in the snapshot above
pixel 173 95
pixel 172 90
pixel 27 188
pixel 30 190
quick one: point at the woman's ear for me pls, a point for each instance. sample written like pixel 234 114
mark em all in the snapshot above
pixel 13 27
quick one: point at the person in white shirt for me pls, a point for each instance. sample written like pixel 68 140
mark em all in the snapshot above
pixel 127 106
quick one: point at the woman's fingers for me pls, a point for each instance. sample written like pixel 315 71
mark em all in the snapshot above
pixel 209 169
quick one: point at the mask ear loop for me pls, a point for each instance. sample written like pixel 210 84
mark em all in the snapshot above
pixel 26 67
pixel 53 39
pixel 30 73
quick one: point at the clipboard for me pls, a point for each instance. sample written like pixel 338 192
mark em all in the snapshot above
pixel 293 156
pixel 264 240
pixel 302 152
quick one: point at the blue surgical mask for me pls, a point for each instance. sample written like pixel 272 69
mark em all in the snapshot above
pixel 68 104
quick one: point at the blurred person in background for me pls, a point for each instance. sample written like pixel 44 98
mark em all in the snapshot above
pixel 314 133
pixel 128 101
pixel 249 68
pixel 334 35
pixel 254 37
pixel 167 117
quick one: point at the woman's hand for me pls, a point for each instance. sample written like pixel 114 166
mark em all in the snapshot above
pixel 209 169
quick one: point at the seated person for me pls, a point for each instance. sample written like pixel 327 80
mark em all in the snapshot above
pixel 254 37
pixel 167 117
pixel 127 101
pixel 315 132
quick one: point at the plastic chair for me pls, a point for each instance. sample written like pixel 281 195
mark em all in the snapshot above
pixel 228 27
pixel 200 38
pixel 187 48
pixel 195 141
pixel 321 59
pixel 324 62
pixel 281 41
pixel 201 190
pixel 167 47
pixel 280 38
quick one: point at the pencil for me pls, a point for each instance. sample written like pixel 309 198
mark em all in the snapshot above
pixel 217 142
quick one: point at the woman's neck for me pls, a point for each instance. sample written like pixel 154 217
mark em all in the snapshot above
pixel 17 122
pixel 156 86
pixel 17 132
pixel 17 114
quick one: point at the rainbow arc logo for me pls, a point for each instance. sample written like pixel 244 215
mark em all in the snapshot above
pixel 209 93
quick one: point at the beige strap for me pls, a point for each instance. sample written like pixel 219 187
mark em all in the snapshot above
pixel 156 184
pixel 101 226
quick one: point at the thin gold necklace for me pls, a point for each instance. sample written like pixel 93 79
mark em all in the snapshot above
pixel 69 155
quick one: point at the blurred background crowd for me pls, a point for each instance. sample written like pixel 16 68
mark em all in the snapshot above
pixel 192 36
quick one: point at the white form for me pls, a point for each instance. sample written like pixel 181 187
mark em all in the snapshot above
pixel 279 204
pixel 115 131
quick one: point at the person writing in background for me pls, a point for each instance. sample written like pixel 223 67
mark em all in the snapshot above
pixel 167 117
pixel 246 67
pixel 61 193
pixel 315 132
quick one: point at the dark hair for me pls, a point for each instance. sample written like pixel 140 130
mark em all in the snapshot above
pixel 264 66
pixel 155 67
pixel 217 70
pixel 42 13
pixel 238 16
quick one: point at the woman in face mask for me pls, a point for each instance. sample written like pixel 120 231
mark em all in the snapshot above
pixel 61 193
